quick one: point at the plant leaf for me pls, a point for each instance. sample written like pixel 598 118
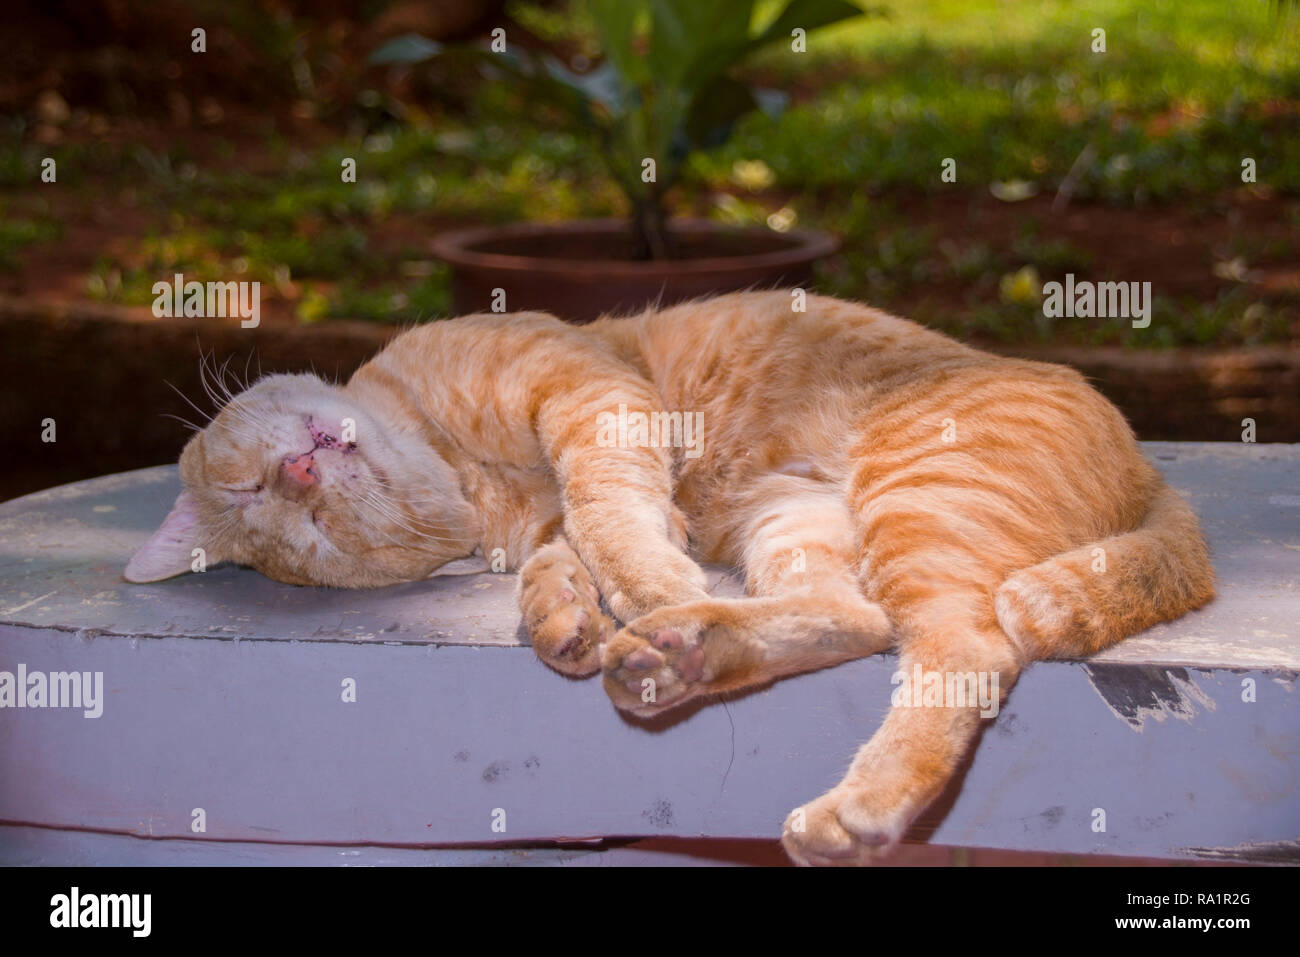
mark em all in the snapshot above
pixel 543 79
pixel 810 15
pixel 617 22
pixel 602 84
pixel 693 40
pixel 716 111
pixel 408 48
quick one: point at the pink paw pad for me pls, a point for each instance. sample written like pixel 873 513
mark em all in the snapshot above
pixel 691 664
pixel 667 639
pixel 643 659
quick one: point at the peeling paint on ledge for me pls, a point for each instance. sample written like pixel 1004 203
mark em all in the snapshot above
pixel 1273 852
pixel 1135 693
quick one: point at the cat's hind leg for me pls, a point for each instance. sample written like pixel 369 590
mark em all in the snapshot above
pixel 808 610
pixel 966 670
pixel 934 561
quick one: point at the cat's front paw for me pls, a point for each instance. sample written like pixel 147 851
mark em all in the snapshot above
pixel 561 609
pixel 841 829
pixel 670 656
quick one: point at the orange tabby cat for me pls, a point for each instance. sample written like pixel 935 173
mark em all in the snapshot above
pixel 880 485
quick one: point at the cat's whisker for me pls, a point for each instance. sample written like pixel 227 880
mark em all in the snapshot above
pixel 204 380
pixel 389 511
pixel 248 434
pixel 203 415
pixel 183 421
pixel 221 378
pixel 246 416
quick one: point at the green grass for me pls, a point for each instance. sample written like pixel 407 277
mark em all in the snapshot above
pixel 1232 319
pixel 17 234
pixel 428 298
pixel 1013 91
pixel 1010 90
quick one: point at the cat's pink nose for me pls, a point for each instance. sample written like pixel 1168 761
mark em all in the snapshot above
pixel 298 471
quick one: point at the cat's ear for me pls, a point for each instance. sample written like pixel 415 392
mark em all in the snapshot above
pixel 169 551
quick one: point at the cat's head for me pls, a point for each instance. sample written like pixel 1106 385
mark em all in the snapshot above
pixel 296 479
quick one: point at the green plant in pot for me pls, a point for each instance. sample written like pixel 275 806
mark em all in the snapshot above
pixel 665 88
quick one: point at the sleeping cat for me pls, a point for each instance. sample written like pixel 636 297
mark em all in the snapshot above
pixel 880 485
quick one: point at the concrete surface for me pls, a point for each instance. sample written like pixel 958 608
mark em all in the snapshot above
pixel 222 692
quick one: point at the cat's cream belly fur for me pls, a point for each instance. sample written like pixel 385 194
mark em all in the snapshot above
pixel 878 484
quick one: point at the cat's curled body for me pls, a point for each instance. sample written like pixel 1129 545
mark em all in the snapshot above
pixel 880 485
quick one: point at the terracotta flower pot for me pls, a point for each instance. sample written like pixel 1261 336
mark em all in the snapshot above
pixel 582 269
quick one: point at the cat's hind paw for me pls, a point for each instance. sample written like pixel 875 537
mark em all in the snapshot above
pixel 645 673
pixel 672 655
pixel 839 829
